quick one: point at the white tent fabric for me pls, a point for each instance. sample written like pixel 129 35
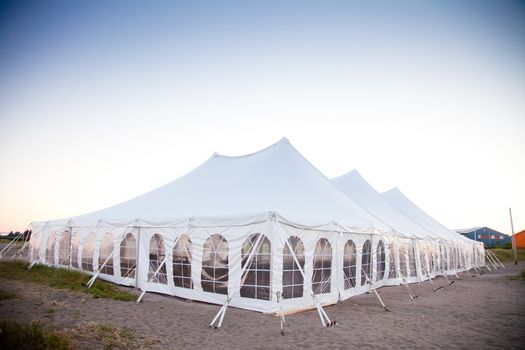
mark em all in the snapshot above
pixel 406 206
pixel 265 231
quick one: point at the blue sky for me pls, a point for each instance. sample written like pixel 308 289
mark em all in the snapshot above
pixel 101 101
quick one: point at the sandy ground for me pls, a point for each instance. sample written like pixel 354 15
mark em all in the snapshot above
pixel 476 312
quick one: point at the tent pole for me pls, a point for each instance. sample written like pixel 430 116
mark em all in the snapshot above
pixel 495 257
pixel 283 321
pixel 412 296
pixel 10 245
pixel 370 283
pixel 137 257
pixel 222 310
pixel 304 279
pixel 154 275
pixel 156 272
pixel 489 256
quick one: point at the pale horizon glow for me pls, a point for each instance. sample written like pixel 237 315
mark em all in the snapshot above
pixel 101 102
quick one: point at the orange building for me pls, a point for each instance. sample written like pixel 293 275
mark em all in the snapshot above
pixel 520 239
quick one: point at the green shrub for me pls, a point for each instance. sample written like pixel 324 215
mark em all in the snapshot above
pixel 22 336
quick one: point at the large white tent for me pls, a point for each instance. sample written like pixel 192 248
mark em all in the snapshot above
pixel 262 232
pixel 428 252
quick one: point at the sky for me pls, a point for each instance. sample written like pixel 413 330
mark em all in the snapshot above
pixel 101 101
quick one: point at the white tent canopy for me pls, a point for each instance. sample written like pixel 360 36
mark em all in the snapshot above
pixel 277 179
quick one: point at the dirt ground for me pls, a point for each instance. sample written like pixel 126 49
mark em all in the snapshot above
pixel 477 312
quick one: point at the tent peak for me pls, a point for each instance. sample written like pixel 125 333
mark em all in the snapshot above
pixel 283 141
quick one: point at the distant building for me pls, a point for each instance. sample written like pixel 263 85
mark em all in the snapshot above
pixel 489 237
pixel 520 239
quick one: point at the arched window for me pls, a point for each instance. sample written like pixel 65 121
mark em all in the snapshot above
pixel 63 249
pixel 365 261
pixel 157 253
pixel 50 249
pixel 402 260
pixel 412 259
pixel 292 277
pixel 182 263
pixel 75 243
pixel 256 282
pixel 380 261
pixel 214 274
pixel 87 252
pixel 128 256
pixel 349 264
pixel 392 268
pixel 321 277
pixel 105 252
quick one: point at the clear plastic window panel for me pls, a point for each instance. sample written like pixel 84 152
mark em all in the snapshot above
pixel 412 259
pixel 321 277
pixel 157 264
pixel 440 258
pixel 50 249
pixel 392 261
pixel 87 252
pixel 75 243
pixel 128 256
pixel 292 278
pixel 445 258
pixel 106 253
pixel 381 261
pixel 402 260
pixel 422 257
pixel 182 263
pixel 366 258
pixel 214 273
pixel 256 281
pixel 64 249
pixel 36 246
pixel 349 264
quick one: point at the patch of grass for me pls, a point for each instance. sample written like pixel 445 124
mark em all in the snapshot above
pixel 62 279
pixel 6 295
pixel 507 254
pixel 33 336
pixel 110 336
pixel 519 277
pixel 113 337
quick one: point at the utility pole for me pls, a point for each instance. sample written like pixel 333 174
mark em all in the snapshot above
pixel 513 239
